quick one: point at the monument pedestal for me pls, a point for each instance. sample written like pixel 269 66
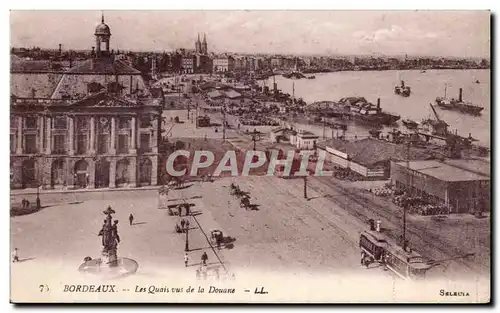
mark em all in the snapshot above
pixel 109 258
pixel 119 268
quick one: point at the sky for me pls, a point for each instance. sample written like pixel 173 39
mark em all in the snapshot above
pixel 422 33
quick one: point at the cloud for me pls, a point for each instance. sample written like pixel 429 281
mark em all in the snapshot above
pixel 395 33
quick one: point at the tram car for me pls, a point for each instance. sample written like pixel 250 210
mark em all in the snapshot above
pixel 378 248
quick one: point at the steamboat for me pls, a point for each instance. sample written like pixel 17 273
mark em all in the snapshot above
pixel 458 105
pixel 363 111
pixel 402 90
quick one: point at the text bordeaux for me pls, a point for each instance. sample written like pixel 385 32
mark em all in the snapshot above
pixel 89 288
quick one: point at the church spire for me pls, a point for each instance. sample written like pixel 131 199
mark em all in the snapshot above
pixel 204 38
pixel 102 17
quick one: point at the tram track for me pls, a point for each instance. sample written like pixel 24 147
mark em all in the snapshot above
pixel 320 217
pixel 431 242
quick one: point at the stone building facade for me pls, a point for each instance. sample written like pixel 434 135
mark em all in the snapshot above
pixel 96 125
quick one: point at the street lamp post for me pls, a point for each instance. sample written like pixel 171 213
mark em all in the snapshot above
pixel 305 187
pixel 186 248
pixel 38 202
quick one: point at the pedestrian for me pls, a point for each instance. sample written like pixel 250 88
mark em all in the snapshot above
pixel 27 204
pixel 179 210
pixel 187 209
pixel 186 259
pixel 204 258
pixel 131 219
pixel 183 222
pixel 15 255
pixel 24 203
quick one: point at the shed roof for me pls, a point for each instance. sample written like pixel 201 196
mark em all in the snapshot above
pixel 215 94
pixel 307 134
pixel 231 94
pixel 443 171
pixel 370 151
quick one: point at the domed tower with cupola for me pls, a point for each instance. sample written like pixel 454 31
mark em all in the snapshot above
pixel 102 36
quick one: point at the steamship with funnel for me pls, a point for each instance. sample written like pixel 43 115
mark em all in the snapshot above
pixel 364 111
pixel 402 90
pixel 458 105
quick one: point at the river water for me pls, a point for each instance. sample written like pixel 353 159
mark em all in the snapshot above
pixel 425 88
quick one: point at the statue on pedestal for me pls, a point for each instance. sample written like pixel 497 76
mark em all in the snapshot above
pixel 109 265
pixel 110 238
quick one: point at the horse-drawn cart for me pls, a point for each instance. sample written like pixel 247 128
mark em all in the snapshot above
pixel 216 237
pixel 245 202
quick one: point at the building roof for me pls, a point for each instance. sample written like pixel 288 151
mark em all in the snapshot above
pixel 207 85
pixel 307 134
pixel 277 129
pixel 370 151
pixel 479 166
pixel 74 82
pixel 231 94
pixel 104 66
pixel 102 29
pixel 18 65
pixel 34 85
pixel 215 94
pixel 443 171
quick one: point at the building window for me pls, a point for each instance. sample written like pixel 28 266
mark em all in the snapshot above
pixel 59 144
pixel 13 122
pixel 123 123
pixel 103 144
pixel 30 122
pixel 60 122
pixel 12 143
pixel 30 143
pixel 83 123
pixel 122 144
pixel 145 143
pixel 81 144
pixel 145 122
